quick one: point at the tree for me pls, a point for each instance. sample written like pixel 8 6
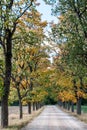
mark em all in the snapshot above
pixel 29 35
pixel 71 76
pixel 10 12
pixel 71 34
pixel 76 7
pixel 72 25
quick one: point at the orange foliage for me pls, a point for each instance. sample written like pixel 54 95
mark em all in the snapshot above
pixel 66 96
pixel 81 94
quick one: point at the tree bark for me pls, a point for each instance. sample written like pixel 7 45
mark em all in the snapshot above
pixel 33 106
pixel 64 105
pixel 79 106
pixel 29 108
pixel 60 103
pixel 6 87
pixel 72 107
pixel 4 112
pixel 21 109
pixel 36 105
pixel 69 105
pixel 20 103
pixel 79 101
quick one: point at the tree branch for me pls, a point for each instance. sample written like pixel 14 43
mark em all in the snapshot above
pixel 14 28
pixel 83 12
pixel 25 10
pixel 2 76
pixel 25 94
pixel 10 4
pixel 2 44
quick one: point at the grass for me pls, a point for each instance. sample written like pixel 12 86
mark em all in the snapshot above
pixel 83 107
pixel 16 124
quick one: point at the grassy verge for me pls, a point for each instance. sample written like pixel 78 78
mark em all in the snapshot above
pixel 16 124
pixel 83 107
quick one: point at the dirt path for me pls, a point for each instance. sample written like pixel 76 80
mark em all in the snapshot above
pixel 52 118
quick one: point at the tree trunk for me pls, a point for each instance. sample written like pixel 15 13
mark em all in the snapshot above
pixel 60 103
pixel 29 108
pixel 64 105
pixel 79 101
pixel 36 105
pixel 4 112
pixel 20 103
pixel 40 104
pixel 33 106
pixel 72 107
pixel 21 109
pixel 6 87
pixel 79 106
pixel 69 105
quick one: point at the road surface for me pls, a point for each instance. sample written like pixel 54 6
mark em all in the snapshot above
pixel 52 118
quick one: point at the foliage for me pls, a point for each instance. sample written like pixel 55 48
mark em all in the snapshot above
pixel 70 34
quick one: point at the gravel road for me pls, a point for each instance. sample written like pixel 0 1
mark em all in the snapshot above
pixel 52 118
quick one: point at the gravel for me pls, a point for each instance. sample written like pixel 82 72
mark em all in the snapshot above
pixel 52 118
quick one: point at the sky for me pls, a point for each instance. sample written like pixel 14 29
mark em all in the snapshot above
pixel 45 10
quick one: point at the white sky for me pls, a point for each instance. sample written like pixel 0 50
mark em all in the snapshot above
pixel 45 10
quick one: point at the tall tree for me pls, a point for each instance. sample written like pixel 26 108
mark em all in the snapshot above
pixel 72 26
pixel 10 12
pixel 78 7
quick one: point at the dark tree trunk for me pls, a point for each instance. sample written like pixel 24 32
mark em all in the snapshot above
pixel 69 105
pixel 79 101
pixel 21 109
pixel 64 105
pixel 29 108
pixel 36 105
pixel 40 104
pixel 20 103
pixel 79 106
pixel 33 106
pixel 72 107
pixel 59 103
pixel 4 111
pixel 6 87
